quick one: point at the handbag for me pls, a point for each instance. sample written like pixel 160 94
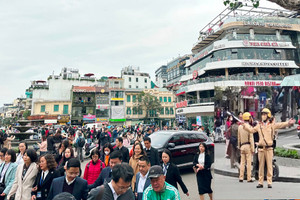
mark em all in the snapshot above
pixel 2 187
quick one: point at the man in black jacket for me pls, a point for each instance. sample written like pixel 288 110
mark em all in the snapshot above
pixel 104 137
pixel 118 187
pixel 122 149
pixel 105 175
pixel 152 153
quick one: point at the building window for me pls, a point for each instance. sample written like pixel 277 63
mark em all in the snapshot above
pixel 167 111
pixel 140 111
pixel 134 110
pixel 137 86
pixel 146 87
pixel 129 86
pixel 128 111
pixel 145 80
pixel 162 111
pixel 165 99
pixel 43 108
pixel 160 99
pixel 129 79
pixel 133 98
pixel 136 79
pixel 56 108
pixel 171 111
pixel 128 98
pixel 169 99
pixel 66 109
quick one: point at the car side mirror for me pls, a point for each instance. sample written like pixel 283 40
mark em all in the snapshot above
pixel 171 145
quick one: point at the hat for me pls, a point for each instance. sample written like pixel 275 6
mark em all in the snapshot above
pixel 155 171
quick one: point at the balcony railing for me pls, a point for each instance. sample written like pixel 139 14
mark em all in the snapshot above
pixel 242 77
pixel 201 100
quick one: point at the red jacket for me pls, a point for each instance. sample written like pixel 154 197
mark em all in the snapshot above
pixel 92 171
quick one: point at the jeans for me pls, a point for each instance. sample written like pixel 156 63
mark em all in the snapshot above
pixel 79 153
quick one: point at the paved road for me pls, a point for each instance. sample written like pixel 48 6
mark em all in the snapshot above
pixel 189 179
pixel 229 188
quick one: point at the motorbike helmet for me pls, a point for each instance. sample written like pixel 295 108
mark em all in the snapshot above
pixel 267 111
pixel 246 116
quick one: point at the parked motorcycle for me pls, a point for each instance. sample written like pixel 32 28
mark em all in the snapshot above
pixel 88 148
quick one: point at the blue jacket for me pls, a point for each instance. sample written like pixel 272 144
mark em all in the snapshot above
pixel 104 177
pixel 9 176
pixel 147 183
pixel 80 190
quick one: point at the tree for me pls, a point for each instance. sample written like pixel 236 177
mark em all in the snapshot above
pixel 293 5
pixel 26 114
pixel 148 103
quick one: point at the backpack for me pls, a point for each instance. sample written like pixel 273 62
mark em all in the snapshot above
pixel 81 142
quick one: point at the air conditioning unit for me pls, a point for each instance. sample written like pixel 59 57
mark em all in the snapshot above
pixel 46 112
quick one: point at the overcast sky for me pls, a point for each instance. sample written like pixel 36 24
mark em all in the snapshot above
pixel 39 37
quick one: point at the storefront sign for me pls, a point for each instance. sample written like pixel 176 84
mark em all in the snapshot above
pixel 117 99
pixel 263 24
pixel 89 117
pixel 199 122
pixel 101 120
pixel 102 107
pixel 117 120
pixel 50 121
pixel 265 64
pixel 261 83
pixel 181 104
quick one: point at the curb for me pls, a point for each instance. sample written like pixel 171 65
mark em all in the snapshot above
pixel 286 130
pixel 236 175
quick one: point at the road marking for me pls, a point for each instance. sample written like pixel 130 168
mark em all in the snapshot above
pixel 291 136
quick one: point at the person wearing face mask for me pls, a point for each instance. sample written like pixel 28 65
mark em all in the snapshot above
pixel 106 151
pixel 93 168
pixel 266 130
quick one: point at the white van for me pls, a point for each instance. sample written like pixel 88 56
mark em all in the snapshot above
pixel 91 125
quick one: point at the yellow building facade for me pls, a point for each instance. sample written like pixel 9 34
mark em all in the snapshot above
pixel 52 108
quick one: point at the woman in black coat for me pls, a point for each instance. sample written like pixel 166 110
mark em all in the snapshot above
pixel 171 171
pixel 201 166
pixel 46 174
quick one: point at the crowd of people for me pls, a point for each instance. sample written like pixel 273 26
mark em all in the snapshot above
pixel 251 141
pixel 113 172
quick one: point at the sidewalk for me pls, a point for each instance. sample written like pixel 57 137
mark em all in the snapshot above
pixel 289 172
pixel 285 130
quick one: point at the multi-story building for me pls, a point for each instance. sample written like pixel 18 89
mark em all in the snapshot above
pixel 135 79
pixel 117 105
pixel 102 105
pixel 58 87
pixel 54 112
pixel 83 105
pixel 166 116
pixel 175 70
pixel 161 76
pixel 241 47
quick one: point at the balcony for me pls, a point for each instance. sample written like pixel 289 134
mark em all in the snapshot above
pixel 83 103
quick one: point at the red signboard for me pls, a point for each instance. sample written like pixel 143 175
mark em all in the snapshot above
pixel 195 74
pixel 181 104
pixel 261 83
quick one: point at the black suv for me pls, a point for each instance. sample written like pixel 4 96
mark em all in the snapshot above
pixel 182 144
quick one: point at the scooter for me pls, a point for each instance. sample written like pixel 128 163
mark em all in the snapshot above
pixel 219 135
pixel 298 131
pixel 88 148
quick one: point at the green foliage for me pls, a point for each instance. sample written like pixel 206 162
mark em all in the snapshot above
pixel 26 114
pixel 234 4
pixel 147 103
pixel 288 153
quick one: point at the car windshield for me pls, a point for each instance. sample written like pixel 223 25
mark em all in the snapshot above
pixel 159 139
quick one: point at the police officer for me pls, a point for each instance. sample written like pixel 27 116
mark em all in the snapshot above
pixel 246 147
pixel 265 130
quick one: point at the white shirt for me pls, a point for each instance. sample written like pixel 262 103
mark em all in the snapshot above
pixel 45 174
pixel 142 182
pixel 201 159
pixel 113 191
pixel 70 182
pixel 4 169
pixel 19 159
